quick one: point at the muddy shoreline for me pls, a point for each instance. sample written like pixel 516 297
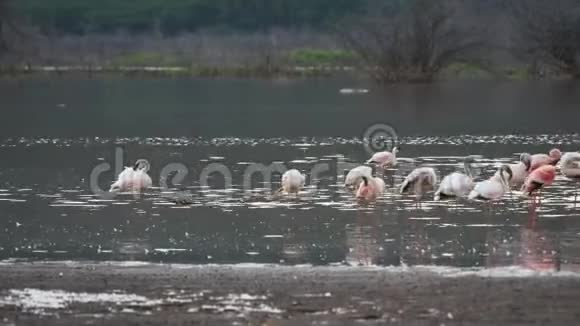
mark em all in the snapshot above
pixel 282 295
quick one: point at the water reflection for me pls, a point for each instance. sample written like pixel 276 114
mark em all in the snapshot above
pixel 363 239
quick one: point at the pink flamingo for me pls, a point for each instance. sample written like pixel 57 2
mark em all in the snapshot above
pixel 354 176
pixel 370 189
pixel 385 159
pixel 539 178
pixel 552 158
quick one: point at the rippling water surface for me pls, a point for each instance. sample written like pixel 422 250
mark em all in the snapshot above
pixel 63 140
pixel 51 209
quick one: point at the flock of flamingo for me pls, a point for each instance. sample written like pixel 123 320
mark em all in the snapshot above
pixel 531 173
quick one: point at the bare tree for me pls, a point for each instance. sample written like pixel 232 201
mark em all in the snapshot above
pixel 548 33
pixel 414 42
pixel 10 32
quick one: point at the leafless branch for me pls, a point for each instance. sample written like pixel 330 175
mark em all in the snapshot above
pixel 413 43
pixel 548 33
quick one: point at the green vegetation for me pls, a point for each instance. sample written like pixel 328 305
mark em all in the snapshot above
pixel 518 73
pixel 321 57
pixel 299 57
pixel 467 70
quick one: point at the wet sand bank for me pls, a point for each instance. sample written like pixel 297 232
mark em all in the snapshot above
pixel 61 293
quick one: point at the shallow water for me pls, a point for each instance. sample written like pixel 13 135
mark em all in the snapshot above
pixel 50 208
pixel 63 141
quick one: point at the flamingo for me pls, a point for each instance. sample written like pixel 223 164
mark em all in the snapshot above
pixel 570 165
pixel 385 159
pixel 292 181
pixel 421 180
pixel 457 184
pixel 570 168
pixel 542 159
pixel 493 188
pixel 520 170
pixel 133 178
pixel 540 177
pixel 370 188
pixel 354 176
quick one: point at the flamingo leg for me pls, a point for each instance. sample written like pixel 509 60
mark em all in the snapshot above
pixel 487 207
pixel 389 176
pixel 533 203
pixel 533 216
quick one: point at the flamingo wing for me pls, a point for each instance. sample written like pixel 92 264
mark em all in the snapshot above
pixel 455 185
pixel 487 190
pixel 381 158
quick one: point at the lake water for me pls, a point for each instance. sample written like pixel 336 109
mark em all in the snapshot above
pixel 55 134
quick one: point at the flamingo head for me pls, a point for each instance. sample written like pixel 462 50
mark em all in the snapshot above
pixel 142 164
pixel 555 153
pixel 526 158
pixel 506 175
pixel 363 189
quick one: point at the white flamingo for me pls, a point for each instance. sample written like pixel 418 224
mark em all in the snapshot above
pixel 133 179
pixel 570 165
pixel 570 168
pixel 292 181
pixel 495 187
pixel 420 180
pixel 370 188
pixel 385 159
pixel 520 170
pixel 457 184
pixel 354 176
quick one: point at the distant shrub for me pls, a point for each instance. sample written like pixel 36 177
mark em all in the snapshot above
pixel 320 57
pixel 466 70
